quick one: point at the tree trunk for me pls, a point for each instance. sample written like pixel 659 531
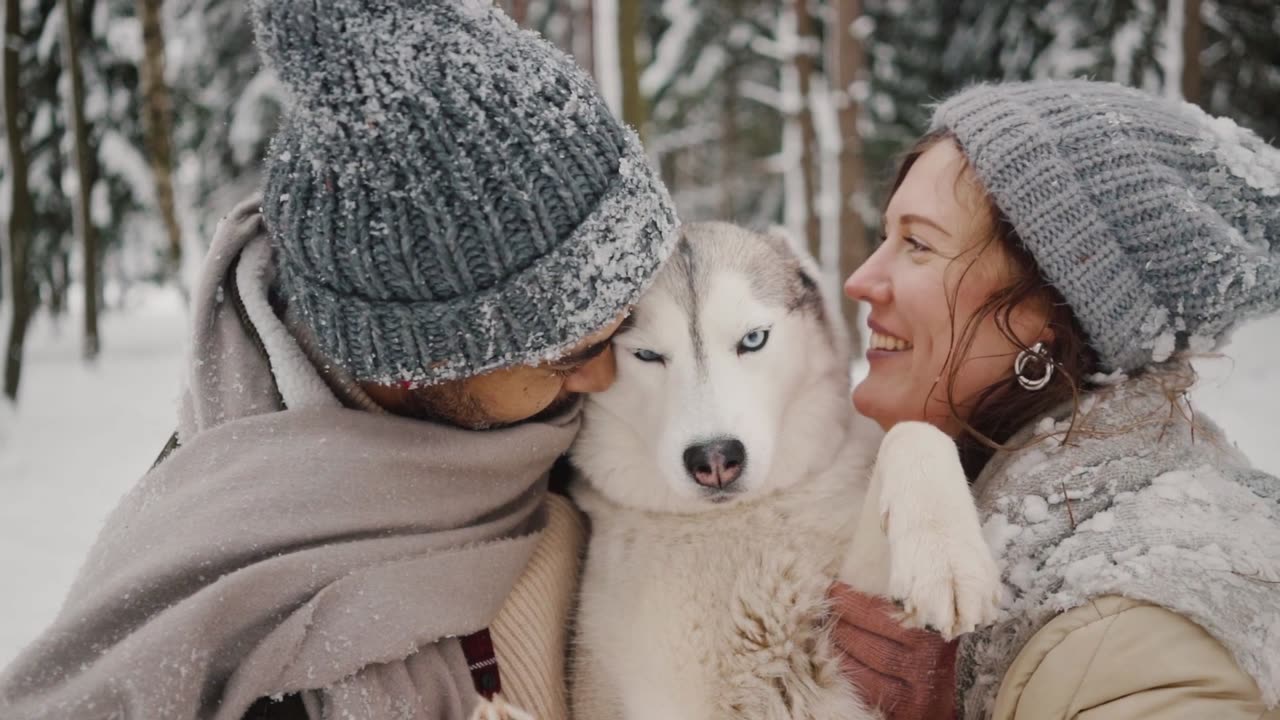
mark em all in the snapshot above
pixel 809 140
pixel 518 10
pixel 606 65
pixel 1191 46
pixel 553 20
pixel 85 231
pixel 57 277
pixel 845 61
pixel 21 209
pixel 583 34
pixel 630 19
pixel 729 141
pixel 157 116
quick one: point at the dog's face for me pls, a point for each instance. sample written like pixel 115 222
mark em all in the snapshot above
pixel 732 381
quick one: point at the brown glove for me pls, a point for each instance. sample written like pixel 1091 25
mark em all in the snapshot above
pixel 908 673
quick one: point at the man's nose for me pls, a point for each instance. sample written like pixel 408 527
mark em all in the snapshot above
pixel 596 376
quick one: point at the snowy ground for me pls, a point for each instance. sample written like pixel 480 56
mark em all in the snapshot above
pixel 83 435
pixel 79 439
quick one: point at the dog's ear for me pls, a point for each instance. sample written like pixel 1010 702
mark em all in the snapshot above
pixel 789 245
pixel 786 241
pixel 820 291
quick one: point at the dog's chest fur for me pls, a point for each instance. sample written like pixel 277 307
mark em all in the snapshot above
pixel 715 615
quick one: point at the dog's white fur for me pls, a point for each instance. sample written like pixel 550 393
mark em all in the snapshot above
pixel 704 605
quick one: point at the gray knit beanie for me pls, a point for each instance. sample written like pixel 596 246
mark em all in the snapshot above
pixel 1158 223
pixel 448 194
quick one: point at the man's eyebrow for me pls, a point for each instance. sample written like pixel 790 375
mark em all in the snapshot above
pixel 596 349
pixel 586 353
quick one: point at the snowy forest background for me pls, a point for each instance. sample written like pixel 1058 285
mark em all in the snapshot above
pixel 131 126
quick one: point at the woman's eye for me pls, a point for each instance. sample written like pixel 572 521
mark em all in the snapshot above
pixel 915 245
pixel 648 356
pixel 753 341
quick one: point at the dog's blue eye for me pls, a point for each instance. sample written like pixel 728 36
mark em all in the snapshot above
pixel 753 341
pixel 648 356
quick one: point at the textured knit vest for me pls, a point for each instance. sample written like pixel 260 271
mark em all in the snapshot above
pixel 1146 500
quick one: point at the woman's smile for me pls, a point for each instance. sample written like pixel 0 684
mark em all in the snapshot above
pixel 888 342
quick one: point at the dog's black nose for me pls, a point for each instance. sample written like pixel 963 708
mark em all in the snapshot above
pixel 715 464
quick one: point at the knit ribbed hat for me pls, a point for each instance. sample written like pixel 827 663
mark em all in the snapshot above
pixel 448 194
pixel 1158 223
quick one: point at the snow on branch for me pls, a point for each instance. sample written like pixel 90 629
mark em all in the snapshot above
pixel 669 55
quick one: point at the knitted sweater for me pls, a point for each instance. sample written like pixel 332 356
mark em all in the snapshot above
pixel 530 632
pixel 1151 503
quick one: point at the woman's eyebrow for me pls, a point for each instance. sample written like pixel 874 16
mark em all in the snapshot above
pixel 921 219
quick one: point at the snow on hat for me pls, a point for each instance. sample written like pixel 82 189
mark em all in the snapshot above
pixel 448 194
pixel 1158 223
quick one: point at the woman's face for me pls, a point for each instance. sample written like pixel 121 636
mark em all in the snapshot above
pixel 936 255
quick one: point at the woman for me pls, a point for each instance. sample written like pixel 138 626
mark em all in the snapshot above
pixel 1053 253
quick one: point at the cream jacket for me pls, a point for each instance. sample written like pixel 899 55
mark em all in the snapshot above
pixel 1120 659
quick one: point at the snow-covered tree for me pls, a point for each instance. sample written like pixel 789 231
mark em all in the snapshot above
pixel 717 111
pixel 156 106
pixel 120 183
pixel 921 50
pixel 86 233
pixel 124 204
pixel 1240 63
pixel 227 106
pixel 18 202
pixel 115 172
pixel 750 114
pixel 747 123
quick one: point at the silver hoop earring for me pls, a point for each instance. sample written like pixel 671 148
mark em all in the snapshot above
pixel 1038 354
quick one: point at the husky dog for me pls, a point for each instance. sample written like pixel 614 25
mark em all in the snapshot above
pixel 728 481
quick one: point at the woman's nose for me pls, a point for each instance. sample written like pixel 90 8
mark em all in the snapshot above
pixel 869 283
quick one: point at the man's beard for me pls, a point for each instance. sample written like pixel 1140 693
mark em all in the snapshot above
pixel 453 405
pixel 560 405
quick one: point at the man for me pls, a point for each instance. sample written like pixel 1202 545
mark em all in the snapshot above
pixel 386 356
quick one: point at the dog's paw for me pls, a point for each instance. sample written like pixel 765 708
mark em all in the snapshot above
pixel 940 568
pixel 944 585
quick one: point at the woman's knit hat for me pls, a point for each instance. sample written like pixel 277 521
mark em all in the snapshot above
pixel 1158 223
pixel 448 194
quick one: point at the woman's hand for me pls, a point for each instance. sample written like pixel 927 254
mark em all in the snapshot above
pixel 908 673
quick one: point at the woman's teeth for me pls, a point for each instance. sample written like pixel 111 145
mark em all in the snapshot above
pixel 888 342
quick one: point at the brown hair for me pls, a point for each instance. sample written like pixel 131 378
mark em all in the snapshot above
pixel 999 410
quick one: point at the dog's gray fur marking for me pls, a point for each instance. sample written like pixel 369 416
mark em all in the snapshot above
pixel 692 280
pixel 810 300
pixel 769 265
pixel 683 277
pixel 775 276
